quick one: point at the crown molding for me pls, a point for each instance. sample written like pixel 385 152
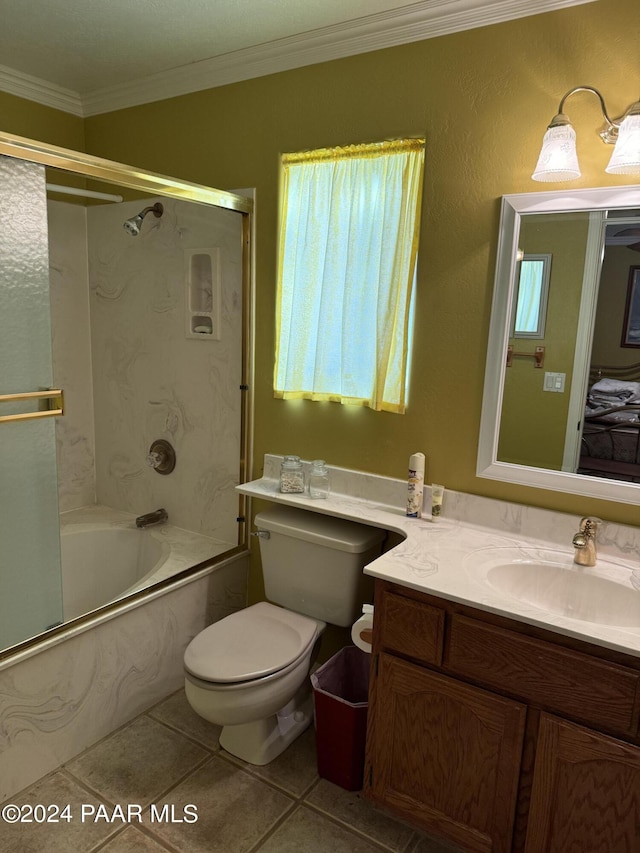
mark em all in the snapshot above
pixel 420 21
pixel 36 89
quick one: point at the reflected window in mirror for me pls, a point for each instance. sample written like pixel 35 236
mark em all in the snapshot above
pixel 532 293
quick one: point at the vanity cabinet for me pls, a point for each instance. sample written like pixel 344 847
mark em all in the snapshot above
pixel 500 736
pixel 586 791
pixel 447 754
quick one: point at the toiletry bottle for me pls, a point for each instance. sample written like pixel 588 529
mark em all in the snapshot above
pixel 318 479
pixel 415 485
pixel 291 475
pixel 437 494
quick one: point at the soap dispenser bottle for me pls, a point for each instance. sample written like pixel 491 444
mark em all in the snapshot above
pixel 318 479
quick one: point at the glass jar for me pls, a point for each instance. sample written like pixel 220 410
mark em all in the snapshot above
pixel 291 475
pixel 318 479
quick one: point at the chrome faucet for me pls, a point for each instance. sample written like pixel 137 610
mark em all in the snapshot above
pixel 156 517
pixel 585 542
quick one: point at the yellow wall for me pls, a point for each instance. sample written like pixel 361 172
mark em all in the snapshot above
pixel 482 99
pixel 534 422
pixel 612 299
pixel 26 118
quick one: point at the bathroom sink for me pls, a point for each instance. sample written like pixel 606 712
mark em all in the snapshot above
pixel 551 581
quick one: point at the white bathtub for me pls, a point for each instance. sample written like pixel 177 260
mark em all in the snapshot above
pixel 100 565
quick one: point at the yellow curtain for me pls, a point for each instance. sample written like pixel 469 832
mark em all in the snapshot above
pixel 347 256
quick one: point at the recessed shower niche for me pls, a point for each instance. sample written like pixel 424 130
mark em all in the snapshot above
pixel 125 307
pixel 202 290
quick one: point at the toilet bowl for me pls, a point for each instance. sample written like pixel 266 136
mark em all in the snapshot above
pixel 249 673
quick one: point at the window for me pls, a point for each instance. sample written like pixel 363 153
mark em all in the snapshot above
pixel 347 257
pixel 531 301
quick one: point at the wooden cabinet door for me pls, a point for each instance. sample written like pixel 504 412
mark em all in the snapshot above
pixel 586 792
pixel 444 755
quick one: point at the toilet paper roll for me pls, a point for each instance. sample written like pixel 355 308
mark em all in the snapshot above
pixel 362 632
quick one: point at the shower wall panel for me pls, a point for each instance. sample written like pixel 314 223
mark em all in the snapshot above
pixel 71 338
pixel 153 382
pixel 65 698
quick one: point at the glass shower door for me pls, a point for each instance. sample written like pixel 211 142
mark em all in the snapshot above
pixel 30 575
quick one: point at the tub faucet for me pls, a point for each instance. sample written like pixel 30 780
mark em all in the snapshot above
pixel 156 517
pixel 584 542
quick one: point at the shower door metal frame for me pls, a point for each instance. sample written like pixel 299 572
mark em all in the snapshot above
pixel 120 174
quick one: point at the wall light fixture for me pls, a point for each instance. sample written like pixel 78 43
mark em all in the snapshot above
pixel 558 160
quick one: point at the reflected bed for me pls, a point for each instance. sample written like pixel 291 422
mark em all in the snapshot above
pixel 610 444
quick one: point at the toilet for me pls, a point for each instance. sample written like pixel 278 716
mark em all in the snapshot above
pixel 249 672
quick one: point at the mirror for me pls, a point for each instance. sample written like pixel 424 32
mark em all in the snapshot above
pixel 143 322
pixel 546 417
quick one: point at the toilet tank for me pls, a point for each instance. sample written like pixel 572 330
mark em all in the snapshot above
pixel 314 563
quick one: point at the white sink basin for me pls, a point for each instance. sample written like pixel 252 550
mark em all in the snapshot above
pixel 551 581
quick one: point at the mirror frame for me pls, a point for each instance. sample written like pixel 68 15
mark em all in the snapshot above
pixel 488 465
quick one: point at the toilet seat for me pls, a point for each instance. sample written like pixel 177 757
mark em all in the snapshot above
pixel 250 644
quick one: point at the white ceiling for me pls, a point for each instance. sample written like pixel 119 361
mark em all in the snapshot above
pixel 91 56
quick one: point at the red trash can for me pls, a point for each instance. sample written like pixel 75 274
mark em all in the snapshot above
pixel 341 701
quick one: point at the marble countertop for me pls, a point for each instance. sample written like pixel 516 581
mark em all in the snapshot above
pixel 445 558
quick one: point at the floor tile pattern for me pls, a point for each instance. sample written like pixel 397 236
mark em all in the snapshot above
pixel 161 783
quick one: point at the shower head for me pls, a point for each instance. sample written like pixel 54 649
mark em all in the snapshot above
pixel 132 226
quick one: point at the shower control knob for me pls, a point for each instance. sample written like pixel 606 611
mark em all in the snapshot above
pixel 161 457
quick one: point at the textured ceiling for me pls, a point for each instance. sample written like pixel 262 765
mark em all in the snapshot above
pixel 93 56
pixel 88 44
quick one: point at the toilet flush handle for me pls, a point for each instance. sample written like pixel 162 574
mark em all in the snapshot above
pixel 261 534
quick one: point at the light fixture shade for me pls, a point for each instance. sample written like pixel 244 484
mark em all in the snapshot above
pixel 558 160
pixel 625 159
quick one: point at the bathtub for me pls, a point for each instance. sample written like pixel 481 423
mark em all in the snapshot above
pixel 102 565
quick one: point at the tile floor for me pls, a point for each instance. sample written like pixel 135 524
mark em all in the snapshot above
pixel 166 766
